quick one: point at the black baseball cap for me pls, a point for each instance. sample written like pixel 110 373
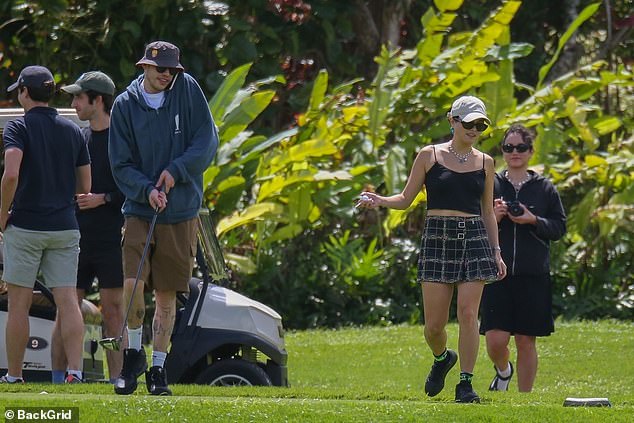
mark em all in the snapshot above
pixel 34 77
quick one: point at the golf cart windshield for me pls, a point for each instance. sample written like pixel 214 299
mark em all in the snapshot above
pixel 212 253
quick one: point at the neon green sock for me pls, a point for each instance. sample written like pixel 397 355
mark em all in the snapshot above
pixel 441 357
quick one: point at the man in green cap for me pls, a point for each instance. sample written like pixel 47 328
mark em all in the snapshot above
pixel 99 217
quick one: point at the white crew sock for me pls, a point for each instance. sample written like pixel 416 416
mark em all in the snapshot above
pixel 134 338
pixel 503 385
pixel 158 358
pixel 504 373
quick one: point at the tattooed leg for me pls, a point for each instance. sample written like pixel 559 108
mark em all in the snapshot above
pixel 164 315
pixel 137 310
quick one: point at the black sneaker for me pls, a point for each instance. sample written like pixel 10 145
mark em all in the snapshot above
pixel 465 393
pixel 436 378
pixel 156 381
pixel 500 383
pixel 134 364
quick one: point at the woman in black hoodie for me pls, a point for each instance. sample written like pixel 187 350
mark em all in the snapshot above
pixel 530 215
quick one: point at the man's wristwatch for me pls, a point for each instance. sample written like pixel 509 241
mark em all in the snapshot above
pixel 107 198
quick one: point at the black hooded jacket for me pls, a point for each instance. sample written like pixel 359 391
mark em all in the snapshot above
pixel 526 248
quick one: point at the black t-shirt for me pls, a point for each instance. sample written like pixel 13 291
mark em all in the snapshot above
pixel 103 223
pixel 53 147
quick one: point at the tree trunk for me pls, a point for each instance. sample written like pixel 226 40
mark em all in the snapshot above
pixel 391 18
pixel 572 51
pixel 368 36
pixel 377 22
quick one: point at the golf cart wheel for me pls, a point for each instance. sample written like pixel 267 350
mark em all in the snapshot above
pixel 234 372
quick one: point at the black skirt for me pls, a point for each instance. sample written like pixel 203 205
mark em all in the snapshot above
pixel 520 305
pixel 455 249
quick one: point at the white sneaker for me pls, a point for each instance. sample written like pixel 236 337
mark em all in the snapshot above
pixel 501 383
pixel 4 379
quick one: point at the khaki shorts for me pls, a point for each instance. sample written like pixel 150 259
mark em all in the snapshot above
pixel 27 252
pixel 170 259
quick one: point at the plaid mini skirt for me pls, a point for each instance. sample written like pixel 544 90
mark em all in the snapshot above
pixel 455 249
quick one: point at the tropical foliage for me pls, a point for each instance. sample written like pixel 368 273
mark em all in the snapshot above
pixel 294 192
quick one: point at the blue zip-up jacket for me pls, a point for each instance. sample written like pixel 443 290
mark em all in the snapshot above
pixel 180 136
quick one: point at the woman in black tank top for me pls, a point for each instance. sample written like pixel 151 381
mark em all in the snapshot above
pixel 459 246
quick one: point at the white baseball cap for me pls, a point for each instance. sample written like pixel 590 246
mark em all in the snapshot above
pixel 468 109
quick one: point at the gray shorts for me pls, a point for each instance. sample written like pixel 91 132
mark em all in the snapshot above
pixel 54 253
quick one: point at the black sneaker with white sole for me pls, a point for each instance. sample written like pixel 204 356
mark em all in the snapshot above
pixel 436 379
pixel 134 365
pixel 465 393
pixel 500 383
pixel 156 381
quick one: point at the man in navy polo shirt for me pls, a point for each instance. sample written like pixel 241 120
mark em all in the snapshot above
pixel 46 162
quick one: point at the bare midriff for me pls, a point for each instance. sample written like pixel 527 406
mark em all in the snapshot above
pixel 444 212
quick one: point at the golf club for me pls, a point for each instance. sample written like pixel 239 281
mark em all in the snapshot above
pixel 114 344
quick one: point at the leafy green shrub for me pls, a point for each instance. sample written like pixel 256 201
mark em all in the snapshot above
pixel 345 283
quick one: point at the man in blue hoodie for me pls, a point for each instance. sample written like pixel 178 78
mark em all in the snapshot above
pixel 162 139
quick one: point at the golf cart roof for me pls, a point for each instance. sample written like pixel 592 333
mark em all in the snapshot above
pixel 12 113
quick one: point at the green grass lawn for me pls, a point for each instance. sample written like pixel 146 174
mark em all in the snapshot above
pixel 377 374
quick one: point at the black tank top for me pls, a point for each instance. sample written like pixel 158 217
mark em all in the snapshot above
pixel 450 190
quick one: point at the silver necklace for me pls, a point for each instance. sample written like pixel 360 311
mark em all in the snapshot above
pixel 517 184
pixel 462 158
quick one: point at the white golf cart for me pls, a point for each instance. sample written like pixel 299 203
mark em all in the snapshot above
pixel 37 358
pixel 221 337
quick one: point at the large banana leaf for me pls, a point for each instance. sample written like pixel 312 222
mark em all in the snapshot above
pixel 583 16
pixel 395 170
pixel 239 118
pixel 381 96
pixel 299 153
pixel 319 91
pixel 227 91
pixel 249 215
pixel 271 142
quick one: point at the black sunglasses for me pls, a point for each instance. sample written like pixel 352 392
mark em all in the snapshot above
pixel 162 69
pixel 480 126
pixel 521 148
